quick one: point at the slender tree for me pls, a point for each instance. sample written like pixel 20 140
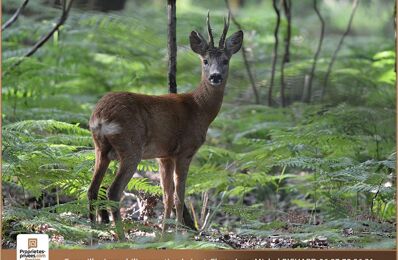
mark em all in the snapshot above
pixel 172 71
pixel 275 53
pixel 308 93
pixel 66 6
pixel 64 16
pixel 245 60
pixel 172 45
pixel 334 57
pixel 15 16
pixel 287 5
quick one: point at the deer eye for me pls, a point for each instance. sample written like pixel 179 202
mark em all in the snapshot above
pixel 205 62
pixel 225 62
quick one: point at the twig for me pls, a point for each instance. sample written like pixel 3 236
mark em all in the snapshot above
pixel 307 97
pixel 205 222
pixel 172 45
pixel 195 218
pixel 209 216
pixel 287 5
pixel 275 53
pixel 65 11
pixel 354 8
pixel 374 198
pixel 188 221
pixel 377 192
pixel 205 199
pixel 15 16
pixel 247 65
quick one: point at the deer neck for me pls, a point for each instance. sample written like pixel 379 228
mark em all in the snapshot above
pixel 209 99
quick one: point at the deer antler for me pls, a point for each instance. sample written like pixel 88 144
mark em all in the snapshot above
pixel 225 31
pixel 211 40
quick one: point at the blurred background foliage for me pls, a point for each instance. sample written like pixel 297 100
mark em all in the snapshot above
pixel 301 171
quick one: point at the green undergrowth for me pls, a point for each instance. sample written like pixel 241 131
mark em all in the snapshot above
pixel 302 158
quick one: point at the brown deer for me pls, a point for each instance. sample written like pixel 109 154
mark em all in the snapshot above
pixel 129 127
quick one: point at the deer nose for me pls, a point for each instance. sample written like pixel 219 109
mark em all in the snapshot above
pixel 215 78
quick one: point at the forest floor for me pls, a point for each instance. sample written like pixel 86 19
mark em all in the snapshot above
pixel 69 230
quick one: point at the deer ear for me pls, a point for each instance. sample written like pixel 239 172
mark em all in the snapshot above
pixel 234 42
pixel 198 43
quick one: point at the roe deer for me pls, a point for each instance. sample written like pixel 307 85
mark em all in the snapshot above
pixel 129 127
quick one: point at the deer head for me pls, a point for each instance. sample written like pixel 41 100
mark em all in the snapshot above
pixel 215 60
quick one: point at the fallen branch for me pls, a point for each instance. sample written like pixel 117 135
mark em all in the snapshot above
pixel 247 65
pixel 329 70
pixel 15 16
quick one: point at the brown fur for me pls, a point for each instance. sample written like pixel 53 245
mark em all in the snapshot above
pixel 130 127
pixel 162 126
pixel 170 127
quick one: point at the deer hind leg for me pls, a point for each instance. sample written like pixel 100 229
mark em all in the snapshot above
pixel 103 214
pixel 166 170
pixel 129 156
pixel 101 165
pixel 180 177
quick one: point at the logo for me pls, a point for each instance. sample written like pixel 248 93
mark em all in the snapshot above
pixel 32 243
pixel 32 246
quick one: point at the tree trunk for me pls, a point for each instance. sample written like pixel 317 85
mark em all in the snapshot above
pixel 287 4
pixel 66 6
pixel 275 53
pixel 307 95
pixel 172 45
pixel 329 70
pixel 172 70
pixel 15 16
pixel 247 65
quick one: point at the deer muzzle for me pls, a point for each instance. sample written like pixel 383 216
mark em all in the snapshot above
pixel 215 79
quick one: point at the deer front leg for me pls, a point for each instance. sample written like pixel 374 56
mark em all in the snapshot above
pixel 166 170
pixel 180 176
